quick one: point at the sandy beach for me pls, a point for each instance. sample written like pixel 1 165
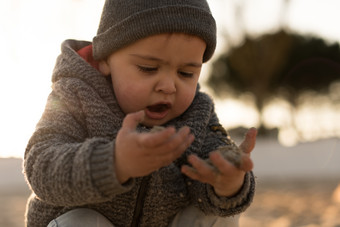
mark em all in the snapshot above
pixel 296 187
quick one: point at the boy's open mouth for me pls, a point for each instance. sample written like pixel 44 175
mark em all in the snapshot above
pixel 159 108
pixel 158 111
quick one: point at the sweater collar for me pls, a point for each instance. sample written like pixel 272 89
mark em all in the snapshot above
pixel 87 54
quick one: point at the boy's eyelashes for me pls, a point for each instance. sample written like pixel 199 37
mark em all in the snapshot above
pixel 150 70
pixel 186 74
pixel 147 69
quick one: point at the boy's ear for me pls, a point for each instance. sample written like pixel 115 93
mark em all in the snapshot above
pixel 104 68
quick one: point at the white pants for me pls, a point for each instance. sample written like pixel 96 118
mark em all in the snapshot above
pixel 190 216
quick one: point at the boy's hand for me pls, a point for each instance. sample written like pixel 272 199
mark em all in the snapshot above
pixel 139 154
pixel 229 180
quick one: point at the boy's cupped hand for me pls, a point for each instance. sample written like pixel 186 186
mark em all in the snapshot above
pixel 139 154
pixel 228 180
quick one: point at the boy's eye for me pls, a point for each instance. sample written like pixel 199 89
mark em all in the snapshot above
pixel 186 74
pixel 147 69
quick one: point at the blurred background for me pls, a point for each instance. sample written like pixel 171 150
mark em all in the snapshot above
pixel 276 67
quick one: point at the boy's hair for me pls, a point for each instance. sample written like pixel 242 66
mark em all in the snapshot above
pixel 126 21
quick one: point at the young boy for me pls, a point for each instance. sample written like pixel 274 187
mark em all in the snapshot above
pixel 92 160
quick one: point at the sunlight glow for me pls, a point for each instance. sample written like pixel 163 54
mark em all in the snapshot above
pixel 277 113
pixel 317 117
pixel 315 17
pixel 257 23
pixel 31 34
pixel 237 112
pixel 288 136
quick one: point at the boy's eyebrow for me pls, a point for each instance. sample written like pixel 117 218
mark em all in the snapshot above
pixel 151 58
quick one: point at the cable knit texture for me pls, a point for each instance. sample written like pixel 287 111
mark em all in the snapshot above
pixel 69 159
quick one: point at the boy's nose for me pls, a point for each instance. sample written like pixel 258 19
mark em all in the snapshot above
pixel 166 84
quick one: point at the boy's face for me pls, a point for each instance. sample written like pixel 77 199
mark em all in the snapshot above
pixel 158 74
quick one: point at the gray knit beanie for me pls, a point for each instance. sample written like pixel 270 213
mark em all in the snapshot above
pixel 126 21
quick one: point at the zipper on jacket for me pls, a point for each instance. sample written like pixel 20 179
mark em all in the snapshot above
pixel 140 201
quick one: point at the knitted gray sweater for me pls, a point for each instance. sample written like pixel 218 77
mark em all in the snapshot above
pixel 69 159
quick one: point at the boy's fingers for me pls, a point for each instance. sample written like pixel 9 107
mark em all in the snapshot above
pixel 182 138
pixel 248 143
pixel 159 138
pixel 224 165
pixel 219 162
pixel 131 120
pixel 204 172
pixel 247 164
pixel 170 140
pixel 181 141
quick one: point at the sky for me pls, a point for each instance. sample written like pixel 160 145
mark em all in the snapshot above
pixel 31 33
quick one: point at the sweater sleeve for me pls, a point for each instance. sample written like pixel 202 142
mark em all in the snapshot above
pixel 204 195
pixel 65 166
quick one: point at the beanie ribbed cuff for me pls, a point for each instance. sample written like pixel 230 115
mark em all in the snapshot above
pixel 168 19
